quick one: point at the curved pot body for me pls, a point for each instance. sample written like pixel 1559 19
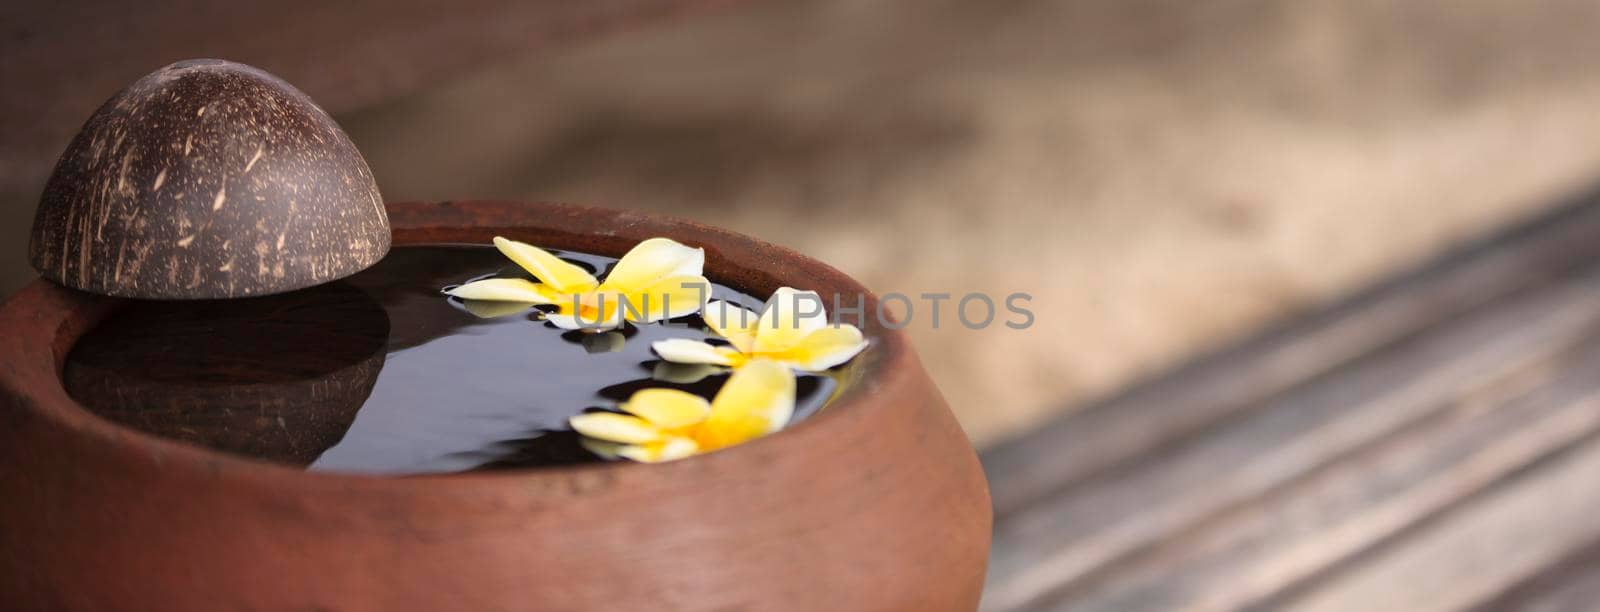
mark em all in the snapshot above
pixel 877 503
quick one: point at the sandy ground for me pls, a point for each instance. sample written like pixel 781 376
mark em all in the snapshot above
pixel 1161 176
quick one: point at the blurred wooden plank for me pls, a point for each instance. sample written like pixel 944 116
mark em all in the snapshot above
pixel 1242 378
pixel 1252 555
pixel 62 59
pixel 1470 556
pixel 1571 584
pixel 1053 546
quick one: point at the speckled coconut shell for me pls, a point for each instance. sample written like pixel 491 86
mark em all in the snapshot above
pixel 208 179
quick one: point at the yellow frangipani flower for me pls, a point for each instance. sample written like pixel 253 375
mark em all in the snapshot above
pixel 804 341
pixel 659 279
pixel 668 424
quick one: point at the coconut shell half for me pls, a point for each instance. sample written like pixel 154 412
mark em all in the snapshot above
pixel 208 179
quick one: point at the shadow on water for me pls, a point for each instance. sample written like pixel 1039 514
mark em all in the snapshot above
pixel 278 377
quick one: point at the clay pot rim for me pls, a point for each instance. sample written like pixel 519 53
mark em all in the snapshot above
pixel 53 317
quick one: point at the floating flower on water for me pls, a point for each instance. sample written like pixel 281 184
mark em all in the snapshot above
pixel 786 332
pixel 668 424
pixel 659 279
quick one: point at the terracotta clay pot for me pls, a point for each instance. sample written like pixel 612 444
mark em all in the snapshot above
pixel 877 503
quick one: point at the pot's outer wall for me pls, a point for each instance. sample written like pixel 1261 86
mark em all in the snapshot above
pixel 877 503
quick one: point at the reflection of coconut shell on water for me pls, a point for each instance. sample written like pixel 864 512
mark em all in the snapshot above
pixel 278 377
pixel 208 179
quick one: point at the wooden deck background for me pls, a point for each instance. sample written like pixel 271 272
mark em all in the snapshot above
pixel 1430 444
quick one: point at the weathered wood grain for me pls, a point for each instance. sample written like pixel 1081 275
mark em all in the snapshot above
pixel 1238 379
pixel 1571 584
pixel 1469 557
pixel 1247 558
pixel 1080 535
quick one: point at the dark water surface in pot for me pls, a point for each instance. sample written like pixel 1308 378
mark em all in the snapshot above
pixel 380 372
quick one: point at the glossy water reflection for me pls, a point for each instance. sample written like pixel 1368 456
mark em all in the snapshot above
pixel 455 391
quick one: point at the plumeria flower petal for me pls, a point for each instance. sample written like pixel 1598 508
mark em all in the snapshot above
pixel 560 275
pixel 758 399
pixel 788 319
pixel 505 290
pixel 668 424
pixel 655 259
pixel 735 324
pixel 600 316
pixel 613 427
pixel 826 348
pixel 658 279
pixel 793 330
pixel 667 408
pixel 666 298
pixel 686 351
pixel 670 449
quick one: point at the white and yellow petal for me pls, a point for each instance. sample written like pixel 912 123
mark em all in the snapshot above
pixel 757 399
pixel 613 427
pixel 653 260
pixel 563 276
pixel 505 290
pixel 826 348
pixel 667 408
pixel 668 449
pixel 790 316
pixel 735 324
pixel 588 312
pixel 684 350
pixel 669 297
